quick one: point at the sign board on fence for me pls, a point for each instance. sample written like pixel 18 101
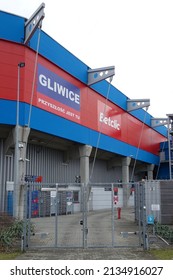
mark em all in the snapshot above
pixel 150 219
pixel 155 207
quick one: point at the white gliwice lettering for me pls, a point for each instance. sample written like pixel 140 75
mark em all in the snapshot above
pixel 59 89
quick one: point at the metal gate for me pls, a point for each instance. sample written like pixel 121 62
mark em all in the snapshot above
pixel 79 215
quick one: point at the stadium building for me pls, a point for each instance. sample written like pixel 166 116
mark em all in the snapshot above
pixel 61 121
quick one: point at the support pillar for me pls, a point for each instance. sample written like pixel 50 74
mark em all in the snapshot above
pixel 84 152
pixel 125 179
pixel 125 169
pixel 21 138
pixel 150 168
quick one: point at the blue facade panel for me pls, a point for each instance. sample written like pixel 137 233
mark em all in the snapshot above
pixel 10 203
pixel 12 27
pixel 64 59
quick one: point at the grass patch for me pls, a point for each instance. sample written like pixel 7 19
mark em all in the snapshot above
pixel 164 254
pixel 9 256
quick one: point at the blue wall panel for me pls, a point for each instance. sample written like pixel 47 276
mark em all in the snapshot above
pixel 54 52
pixel 7 112
pixel 12 27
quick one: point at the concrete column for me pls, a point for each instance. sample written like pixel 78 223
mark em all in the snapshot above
pixel 20 169
pixel 150 168
pixel 125 169
pixel 84 152
pixel 125 179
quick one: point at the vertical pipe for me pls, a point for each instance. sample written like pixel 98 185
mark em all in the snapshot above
pixel 85 222
pixel 16 174
pixel 16 158
pixel 29 193
pixel 24 241
pixel 56 218
pixel 139 203
pixel 144 224
pixel 113 217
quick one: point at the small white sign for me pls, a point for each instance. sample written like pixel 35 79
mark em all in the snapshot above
pixel 155 207
pixel 9 186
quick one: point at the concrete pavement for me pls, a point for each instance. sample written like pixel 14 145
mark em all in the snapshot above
pixel 86 254
pixel 99 238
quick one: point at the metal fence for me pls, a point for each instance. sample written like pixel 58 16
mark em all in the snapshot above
pixel 154 209
pixel 93 215
pixel 79 215
pixel 140 214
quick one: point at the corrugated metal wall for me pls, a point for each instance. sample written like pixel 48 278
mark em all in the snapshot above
pixel 166 197
pixel 102 174
pixel 49 164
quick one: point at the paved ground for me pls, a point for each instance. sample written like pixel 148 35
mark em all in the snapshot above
pixel 69 234
pixel 86 254
pixel 103 230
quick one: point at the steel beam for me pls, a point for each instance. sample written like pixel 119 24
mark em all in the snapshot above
pixel 134 104
pixel 158 122
pixel 99 74
pixel 33 23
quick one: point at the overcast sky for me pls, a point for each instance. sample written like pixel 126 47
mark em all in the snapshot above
pixel 136 36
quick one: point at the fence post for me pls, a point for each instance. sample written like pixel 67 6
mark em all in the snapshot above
pixel 25 229
pixel 84 213
pixel 56 218
pixel 113 217
pixel 143 222
pixel 29 199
